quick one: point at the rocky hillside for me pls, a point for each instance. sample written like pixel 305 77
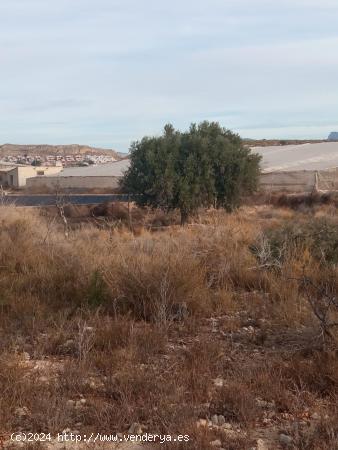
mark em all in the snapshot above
pixel 43 150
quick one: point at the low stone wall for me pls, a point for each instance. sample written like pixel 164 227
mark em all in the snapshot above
pixel 74 182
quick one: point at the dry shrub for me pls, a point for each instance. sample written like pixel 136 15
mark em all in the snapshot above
pixel 297 381
pixel 157 280
pixel 300 273
pixel 21 317
pixel 318 235
pixel 236 402
pixel 135 393
pixel 299 201
pixel 322 435
pixel 318 374
pixel 161 219
pixel 112 333
pixel 115 211
pixel 269 383
pixel 73 378
pixel 226 259
pixel 18 232
pixel 147 341
pixel 162 395
pixel 76 211
pixel 119 338
pixel 221 244
pixel 199 364
pixel 285 306
pixel 12 386
pixel 43 404
pixel 37 259
pixel 119 343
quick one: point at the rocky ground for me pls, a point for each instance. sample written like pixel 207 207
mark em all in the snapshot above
pixel 237 340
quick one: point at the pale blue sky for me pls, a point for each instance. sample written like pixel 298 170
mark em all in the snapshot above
pixel 106 72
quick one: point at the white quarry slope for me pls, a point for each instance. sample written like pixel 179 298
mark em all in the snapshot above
pixel 319 156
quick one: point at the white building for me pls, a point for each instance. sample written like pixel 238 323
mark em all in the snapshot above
pixel 17 176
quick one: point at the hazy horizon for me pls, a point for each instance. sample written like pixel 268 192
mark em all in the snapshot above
pixel 108 72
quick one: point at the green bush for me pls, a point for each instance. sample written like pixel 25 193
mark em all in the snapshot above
pixel 319 236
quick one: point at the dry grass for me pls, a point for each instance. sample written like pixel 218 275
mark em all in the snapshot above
pixel 140 327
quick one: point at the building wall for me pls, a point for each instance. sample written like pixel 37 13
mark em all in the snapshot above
pixel 32 171
pixel 75 182
pixel 17 176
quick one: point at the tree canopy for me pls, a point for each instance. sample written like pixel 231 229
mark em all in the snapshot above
pixel 205 166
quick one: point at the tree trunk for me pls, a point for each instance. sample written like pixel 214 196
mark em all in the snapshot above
pixel 184 217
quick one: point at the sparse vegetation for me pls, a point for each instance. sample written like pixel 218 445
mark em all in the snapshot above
pixel 205 330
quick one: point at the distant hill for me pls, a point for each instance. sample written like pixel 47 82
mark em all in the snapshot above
pixel 43 150
pixel 271 142
pixel 333 136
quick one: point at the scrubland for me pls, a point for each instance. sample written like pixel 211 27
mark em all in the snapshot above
pixel 224 330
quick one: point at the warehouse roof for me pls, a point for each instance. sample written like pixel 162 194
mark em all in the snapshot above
pixel 279 158
pixel 115 169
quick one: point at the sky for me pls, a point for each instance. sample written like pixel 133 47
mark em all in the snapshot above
pixel 108 72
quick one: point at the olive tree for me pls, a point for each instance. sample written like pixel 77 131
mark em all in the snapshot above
pixel 205 166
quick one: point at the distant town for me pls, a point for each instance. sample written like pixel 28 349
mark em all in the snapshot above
pixel 53 160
